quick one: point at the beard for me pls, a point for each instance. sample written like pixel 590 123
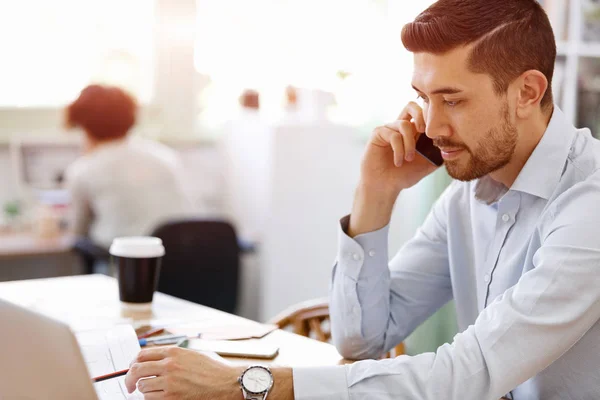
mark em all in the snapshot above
pixel 493 151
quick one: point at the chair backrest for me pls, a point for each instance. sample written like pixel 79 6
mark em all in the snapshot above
pixel 201 263
pixel 91 254
pixel 311 319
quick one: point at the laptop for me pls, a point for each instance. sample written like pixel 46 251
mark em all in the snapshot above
pixel 40 358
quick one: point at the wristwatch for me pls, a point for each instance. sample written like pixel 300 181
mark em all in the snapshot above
pixel 256 381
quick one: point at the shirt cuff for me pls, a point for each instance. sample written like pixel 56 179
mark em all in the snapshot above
pixel 318 383
pixel 368 248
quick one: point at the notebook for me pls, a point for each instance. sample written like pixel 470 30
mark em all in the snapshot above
pixel 106 351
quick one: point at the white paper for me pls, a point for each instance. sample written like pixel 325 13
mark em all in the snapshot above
pixel 107 351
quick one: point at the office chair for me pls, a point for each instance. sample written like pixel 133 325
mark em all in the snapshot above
pixel 94 257
pixel 311 319
pixel 201 263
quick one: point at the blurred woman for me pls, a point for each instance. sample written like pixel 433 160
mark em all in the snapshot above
pixel 121 186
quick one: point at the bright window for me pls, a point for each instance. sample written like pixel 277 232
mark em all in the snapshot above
pixel 268 44
pixel 53 49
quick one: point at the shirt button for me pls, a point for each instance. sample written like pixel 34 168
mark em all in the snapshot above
pixel 356 257
pixel 486 279
pixel 372 253
pixel 506 218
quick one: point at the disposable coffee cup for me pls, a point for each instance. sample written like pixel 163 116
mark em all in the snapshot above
pixel 137 260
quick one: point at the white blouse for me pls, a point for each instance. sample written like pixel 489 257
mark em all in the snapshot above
pixel 126 188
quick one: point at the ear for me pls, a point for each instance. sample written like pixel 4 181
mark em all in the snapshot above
pixel 532 88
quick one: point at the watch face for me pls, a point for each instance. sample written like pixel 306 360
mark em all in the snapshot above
pixel 257 380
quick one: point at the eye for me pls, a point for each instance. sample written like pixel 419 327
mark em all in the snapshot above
pixel 452 103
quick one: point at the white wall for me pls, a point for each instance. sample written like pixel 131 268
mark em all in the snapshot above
pixel 314 172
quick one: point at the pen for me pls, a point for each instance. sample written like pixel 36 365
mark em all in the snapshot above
pixel 166 339
pixel 151 332
pixel 111 375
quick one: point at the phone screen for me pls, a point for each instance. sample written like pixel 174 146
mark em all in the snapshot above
pixel 426 148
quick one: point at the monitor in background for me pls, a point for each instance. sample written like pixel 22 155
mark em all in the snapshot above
pixel 38 167
pixel 39 164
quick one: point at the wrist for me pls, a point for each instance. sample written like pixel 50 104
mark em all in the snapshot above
pixel 378 190
pixel 283 384
pixel 234 389
pixel 372 210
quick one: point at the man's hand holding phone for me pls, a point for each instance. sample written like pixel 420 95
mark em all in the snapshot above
pixel 390 164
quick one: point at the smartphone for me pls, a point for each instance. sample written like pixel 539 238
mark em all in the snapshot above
pixel 242 348
pixel 426 148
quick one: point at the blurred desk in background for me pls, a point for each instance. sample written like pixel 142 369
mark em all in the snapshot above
pixel 26 244
pixel 23 255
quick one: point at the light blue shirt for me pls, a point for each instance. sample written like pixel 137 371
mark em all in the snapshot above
pixel 523 267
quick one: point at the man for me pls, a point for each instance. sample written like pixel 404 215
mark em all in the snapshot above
pixel 515 244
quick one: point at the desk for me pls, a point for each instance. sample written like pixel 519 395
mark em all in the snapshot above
pixel 27 244
pixel 93 301
pixel 23 255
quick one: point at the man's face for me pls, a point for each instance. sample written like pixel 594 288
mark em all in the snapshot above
pixel 466 119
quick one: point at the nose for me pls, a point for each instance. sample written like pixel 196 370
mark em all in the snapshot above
pixel 437 122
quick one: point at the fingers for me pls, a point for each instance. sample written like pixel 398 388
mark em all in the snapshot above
pixel 155 396
pixel 400 135
pixel 148 385
pixel 142 370
pixel 398 146
pixel 414 112
pixel 153 354
pixel 409 134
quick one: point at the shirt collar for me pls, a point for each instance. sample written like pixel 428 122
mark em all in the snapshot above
pixel 543 169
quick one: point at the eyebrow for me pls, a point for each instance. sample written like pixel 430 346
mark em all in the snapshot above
pixel 443 90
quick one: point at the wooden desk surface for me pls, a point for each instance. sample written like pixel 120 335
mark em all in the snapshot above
pixel 92 301
pixel 24 244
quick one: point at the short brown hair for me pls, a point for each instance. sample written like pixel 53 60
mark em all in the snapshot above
pixel 510 37
pixel 250 99
pixel 105 112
